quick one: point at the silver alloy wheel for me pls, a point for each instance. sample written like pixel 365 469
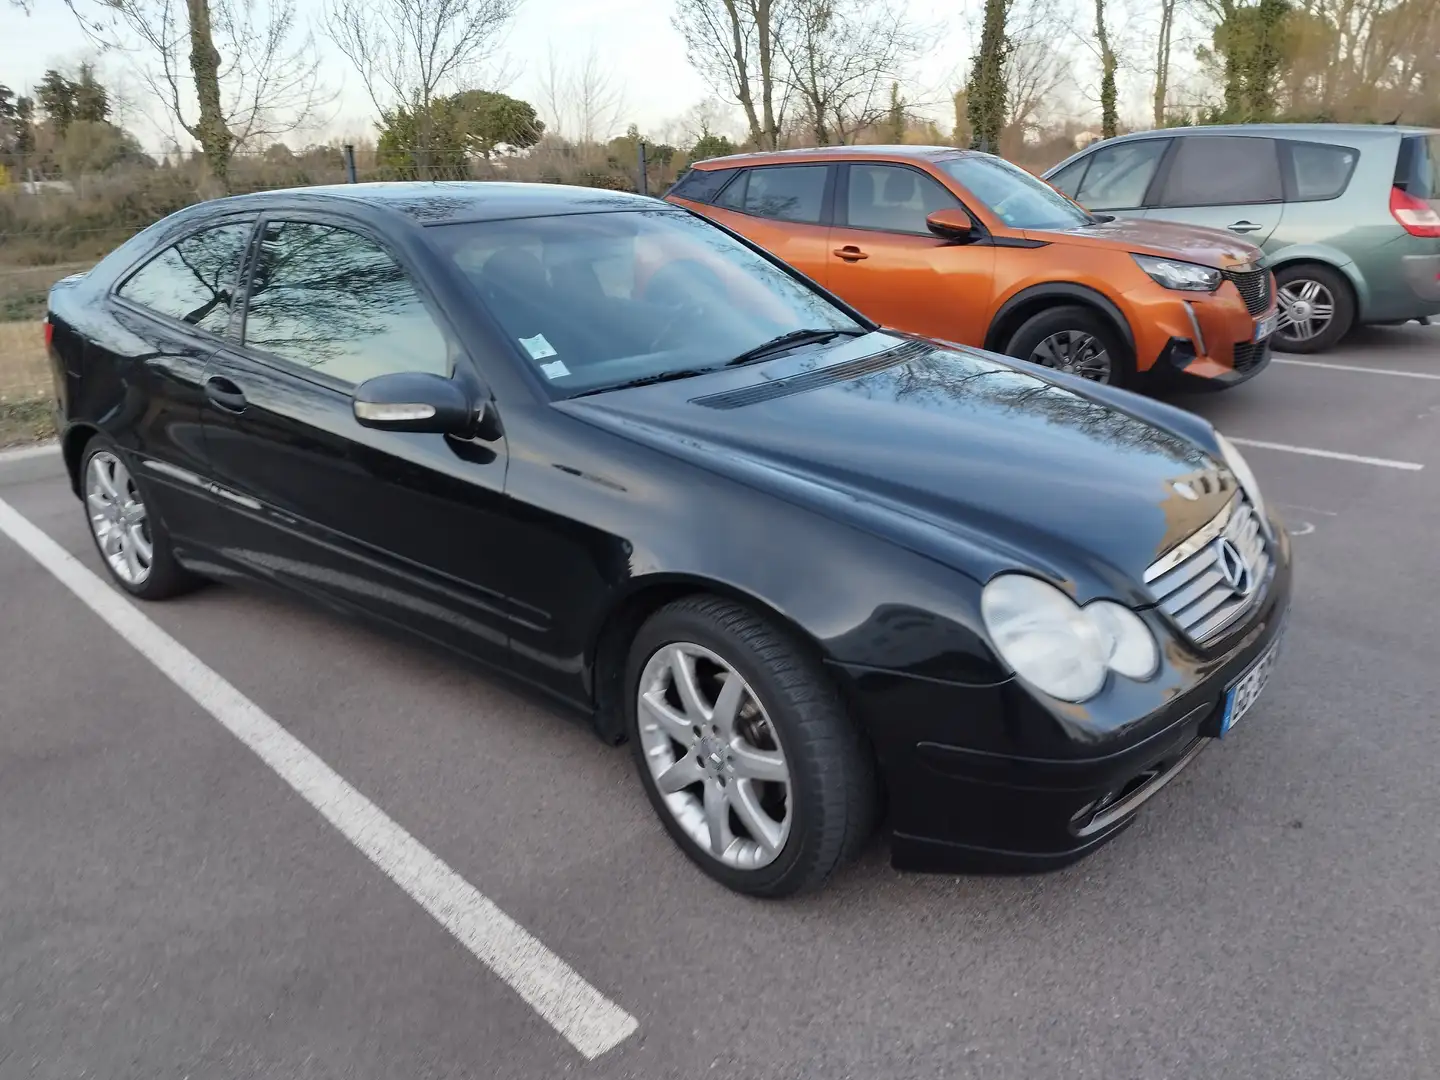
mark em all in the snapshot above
pixel 1076 353
pixel 1306 309
pixel 118 518
pixel 715 756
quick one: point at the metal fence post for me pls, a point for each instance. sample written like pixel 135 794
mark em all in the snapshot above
pixel 644 183
pixel 349 163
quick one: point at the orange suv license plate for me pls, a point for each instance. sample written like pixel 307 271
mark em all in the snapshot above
pixel 1266 326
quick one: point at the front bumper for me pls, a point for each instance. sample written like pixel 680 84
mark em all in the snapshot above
pixel 972 786
pixel 1197 339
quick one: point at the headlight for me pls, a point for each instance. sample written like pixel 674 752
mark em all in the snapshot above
pixel 1187 277
pixel 1057 646
pixel 1241 468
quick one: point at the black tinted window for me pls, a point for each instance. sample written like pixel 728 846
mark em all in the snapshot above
pixel 790 193
pixel 701 185
pixel 1119 175
pixel 1321 171
pixel 334 301
pixel 1068 178
pixel 1417 170
pixel 194 280
pixel 894 198
pixel 1220 170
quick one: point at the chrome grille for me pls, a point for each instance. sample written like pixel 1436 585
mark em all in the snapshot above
pixel 1254 286
pixel 1195 583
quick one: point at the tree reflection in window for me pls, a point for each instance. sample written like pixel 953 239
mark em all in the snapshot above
pixel 334 301
pixel 193 280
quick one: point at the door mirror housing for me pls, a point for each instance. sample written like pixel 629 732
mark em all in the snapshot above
pixel 414 401
pixel 953 224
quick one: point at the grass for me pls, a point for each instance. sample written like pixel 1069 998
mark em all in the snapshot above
pixel 25 422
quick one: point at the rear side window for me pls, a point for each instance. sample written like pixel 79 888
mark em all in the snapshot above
pixel 701 185
pixel 333 301
pixel 787 193
pixel 1223 170
pixel 1417 172
pixel 1322 171
pixel 193 280
pixel 1119 175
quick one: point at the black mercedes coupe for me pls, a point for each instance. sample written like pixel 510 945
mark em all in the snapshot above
pixel 821 576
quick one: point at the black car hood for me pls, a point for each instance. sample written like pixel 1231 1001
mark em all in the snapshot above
pixel 960 454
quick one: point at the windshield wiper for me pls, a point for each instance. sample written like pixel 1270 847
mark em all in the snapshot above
pixel 787 341
pixel 647 380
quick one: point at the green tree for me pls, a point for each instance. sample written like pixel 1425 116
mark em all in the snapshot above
pixel 487 119
pixel 896 119
pixel 1251 44
pixel 985 94
pixel 92 100
pixel 711 146
pixel 56 98
pixel 441 139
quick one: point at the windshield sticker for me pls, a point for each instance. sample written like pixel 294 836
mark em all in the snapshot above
pixel 537 347
pixel 555 369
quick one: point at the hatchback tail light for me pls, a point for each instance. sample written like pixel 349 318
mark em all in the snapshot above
pixel 49 332
pixel 1416 216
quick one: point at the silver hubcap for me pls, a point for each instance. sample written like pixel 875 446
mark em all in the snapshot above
pixel 715 755
pixel 118 518
pixel 1306 308
pixel 1076 353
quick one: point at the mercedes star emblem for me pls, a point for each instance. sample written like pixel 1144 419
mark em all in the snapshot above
pixel 1231 565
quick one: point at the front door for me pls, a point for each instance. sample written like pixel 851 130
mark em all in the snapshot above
pixel 1229 182
pixel 887 263
pixel 406 525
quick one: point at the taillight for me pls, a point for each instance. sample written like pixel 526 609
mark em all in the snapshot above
pixel 1416 216
pixel 49 332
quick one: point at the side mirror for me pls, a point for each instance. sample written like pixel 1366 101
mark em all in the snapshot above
pixel 414 401
pixel 954 224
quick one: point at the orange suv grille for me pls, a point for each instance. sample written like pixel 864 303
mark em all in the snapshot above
pixel 1254 286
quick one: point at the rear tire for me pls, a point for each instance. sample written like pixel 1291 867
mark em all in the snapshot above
pixel 785 718
pixel 129 537
pixel 1075 339
pixel 1306 291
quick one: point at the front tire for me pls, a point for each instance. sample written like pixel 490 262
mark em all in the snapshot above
pixel 130 538
pixel 745 748
pixel 1076 340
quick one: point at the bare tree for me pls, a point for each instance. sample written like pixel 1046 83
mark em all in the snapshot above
pixel 841 59
pixel 1162 59
pixel 409 52
pixel 229 73
pixel 1036 69
pixel 732 43
pixel 585 102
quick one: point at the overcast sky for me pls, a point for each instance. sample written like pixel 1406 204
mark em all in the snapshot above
pixel 634 38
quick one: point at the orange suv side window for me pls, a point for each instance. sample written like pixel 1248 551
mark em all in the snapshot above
pixel 894 199
pixel 783 192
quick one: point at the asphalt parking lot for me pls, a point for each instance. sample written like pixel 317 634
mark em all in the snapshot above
pixel 177 901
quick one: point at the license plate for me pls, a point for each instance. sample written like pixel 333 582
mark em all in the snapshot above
pixel 1266 326
pixel 1247 688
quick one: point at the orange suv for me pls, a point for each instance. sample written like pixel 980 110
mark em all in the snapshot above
pixel 966 247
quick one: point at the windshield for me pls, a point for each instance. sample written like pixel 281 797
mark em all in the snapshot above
pixel 605 299
pixel 1018 199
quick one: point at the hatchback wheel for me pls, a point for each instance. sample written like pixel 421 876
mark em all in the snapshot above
pixel 132 542
pixel 1316 308
pixel 746 750
pixel 1076 340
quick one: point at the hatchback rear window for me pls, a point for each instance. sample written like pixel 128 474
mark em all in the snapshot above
pixel 1417 172
pixel 1322 170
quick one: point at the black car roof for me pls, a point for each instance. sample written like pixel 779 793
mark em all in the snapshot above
pixel 444 202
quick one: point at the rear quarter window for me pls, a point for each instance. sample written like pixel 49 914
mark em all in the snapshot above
pixel 1417 172
pixel 1321 170
pixel 702 185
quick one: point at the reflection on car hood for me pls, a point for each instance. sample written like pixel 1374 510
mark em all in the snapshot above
pixel 1167 240
pixel 953 452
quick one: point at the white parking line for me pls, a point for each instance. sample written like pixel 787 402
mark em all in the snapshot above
pixel 1359 459
pixel 579 1012
pixel 1360 368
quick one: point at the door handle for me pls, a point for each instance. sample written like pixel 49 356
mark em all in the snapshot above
pixel 851 253
pixel 1244 226
pixel 224 394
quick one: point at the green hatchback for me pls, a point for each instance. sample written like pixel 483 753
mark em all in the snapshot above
pixel 1348 214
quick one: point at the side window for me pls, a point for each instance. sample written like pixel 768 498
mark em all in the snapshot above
pixel 334 301
pixel 894 198
pixel 1119 175
pixel 194 280
pixel 1068 179
pixel 1223 170
pixel 701 185
pixel 1322 171
pixel 733 197
pixel 786 192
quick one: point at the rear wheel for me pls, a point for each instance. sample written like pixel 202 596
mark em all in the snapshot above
pixel 745 748
pixel 1076 340
pixel 1317 308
